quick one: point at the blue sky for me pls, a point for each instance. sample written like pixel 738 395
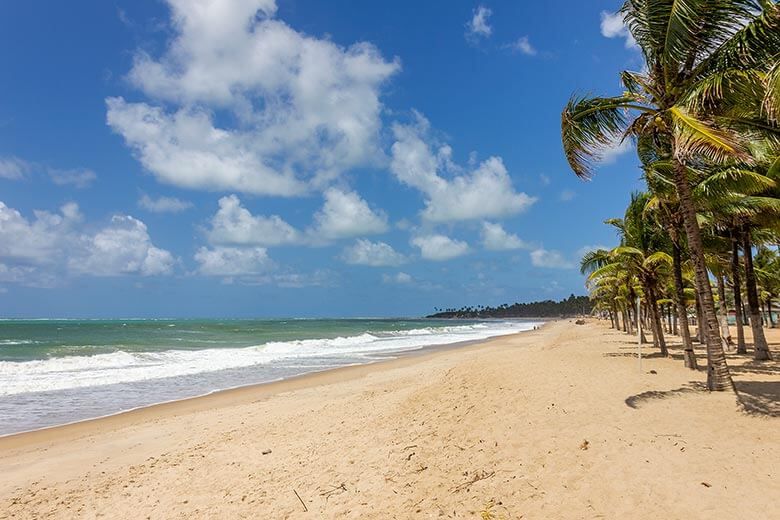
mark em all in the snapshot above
pixel 298 158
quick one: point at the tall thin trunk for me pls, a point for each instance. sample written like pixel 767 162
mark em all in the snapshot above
pixel 769 308
pixel 675 319
pixel 679 300
pixel 718 375
pixel 625 320
pixel 735 276
pixel 655 318
pixel 617 317
pixel 723 314
pixel 699 322
pixel 761 349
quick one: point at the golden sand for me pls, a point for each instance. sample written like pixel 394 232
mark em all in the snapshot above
pixel 555 423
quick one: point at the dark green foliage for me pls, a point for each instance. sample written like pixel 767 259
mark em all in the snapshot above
pixel 571 306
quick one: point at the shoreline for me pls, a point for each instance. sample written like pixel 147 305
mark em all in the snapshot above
pixel 202 401
pixel 552 423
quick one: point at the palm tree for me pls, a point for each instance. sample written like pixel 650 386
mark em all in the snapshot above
pixel 639 256
pixel 697 54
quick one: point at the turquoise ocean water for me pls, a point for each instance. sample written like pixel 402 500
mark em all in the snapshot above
pixel 59 371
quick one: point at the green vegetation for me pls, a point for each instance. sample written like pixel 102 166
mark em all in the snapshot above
pixel 703 113
pixel 571 306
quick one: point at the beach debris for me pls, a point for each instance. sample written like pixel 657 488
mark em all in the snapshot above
pixel 653 372
pixel 579 322
pixel 266 452
pixel 305 509
pixel 478 475
pixel 334 490
pixel 706 484
pixel 584 445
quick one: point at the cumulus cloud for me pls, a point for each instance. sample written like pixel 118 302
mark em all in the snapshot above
pixel 345 214
pixel 375 254
pixel 523 45
pixel 305 109
pixel 122 247
pixel 612 26
pixel 13 168
pixel 479 24
pixel 232 261
pixel 495 238
pixel 163 204
pixel 483 190
pixel 233 224
pixel 550 259
pixel 79 177
pixel 439 247
pixel 52 246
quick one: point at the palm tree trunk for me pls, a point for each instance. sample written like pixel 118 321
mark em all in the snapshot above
pixel 718 375
pixel 675 320
pixel 679 300
pixel 769 308
pixel 761 349
pixel 737 288
pixel 655 317
pixel 723 314
pixel 699 322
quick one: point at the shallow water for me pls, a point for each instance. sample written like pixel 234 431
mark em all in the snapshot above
pixel 58 371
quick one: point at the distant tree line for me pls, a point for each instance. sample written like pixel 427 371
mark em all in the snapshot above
pixel 571 306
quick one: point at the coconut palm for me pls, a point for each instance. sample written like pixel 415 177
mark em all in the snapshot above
pixel 700 56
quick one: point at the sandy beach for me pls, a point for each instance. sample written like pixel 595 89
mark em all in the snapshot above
pixel 554 423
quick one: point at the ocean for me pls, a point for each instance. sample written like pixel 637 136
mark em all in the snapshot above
pixel 60 371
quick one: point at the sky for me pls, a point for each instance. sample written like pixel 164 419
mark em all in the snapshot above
pixel 279 158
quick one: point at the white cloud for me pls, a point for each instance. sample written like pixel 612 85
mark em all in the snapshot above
pixel 13 168
pixel 495 238
pixel 232 261
pixel 163 204
pixel 439 247
pixel 44 250
pixel 611 154
pixel 612 26
pixel 122 247
pixel 479 25
pixel 306 109
pixel 545 180
pixel 550 259
pixel 568 195
pixel 233 224
pixel 400 278
pixel 79 177
pixel 485 191
pixel 375 254
pixel 344 214
pixel 523 45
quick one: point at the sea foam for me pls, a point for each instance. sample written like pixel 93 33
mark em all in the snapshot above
pixel 73 371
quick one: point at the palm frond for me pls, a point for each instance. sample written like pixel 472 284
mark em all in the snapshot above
pixel 695 137
pixel 730 181
pixel 591 125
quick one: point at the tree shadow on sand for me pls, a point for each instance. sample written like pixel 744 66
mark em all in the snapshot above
pixel 755 397
pixel 635 401
pixel 760 397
